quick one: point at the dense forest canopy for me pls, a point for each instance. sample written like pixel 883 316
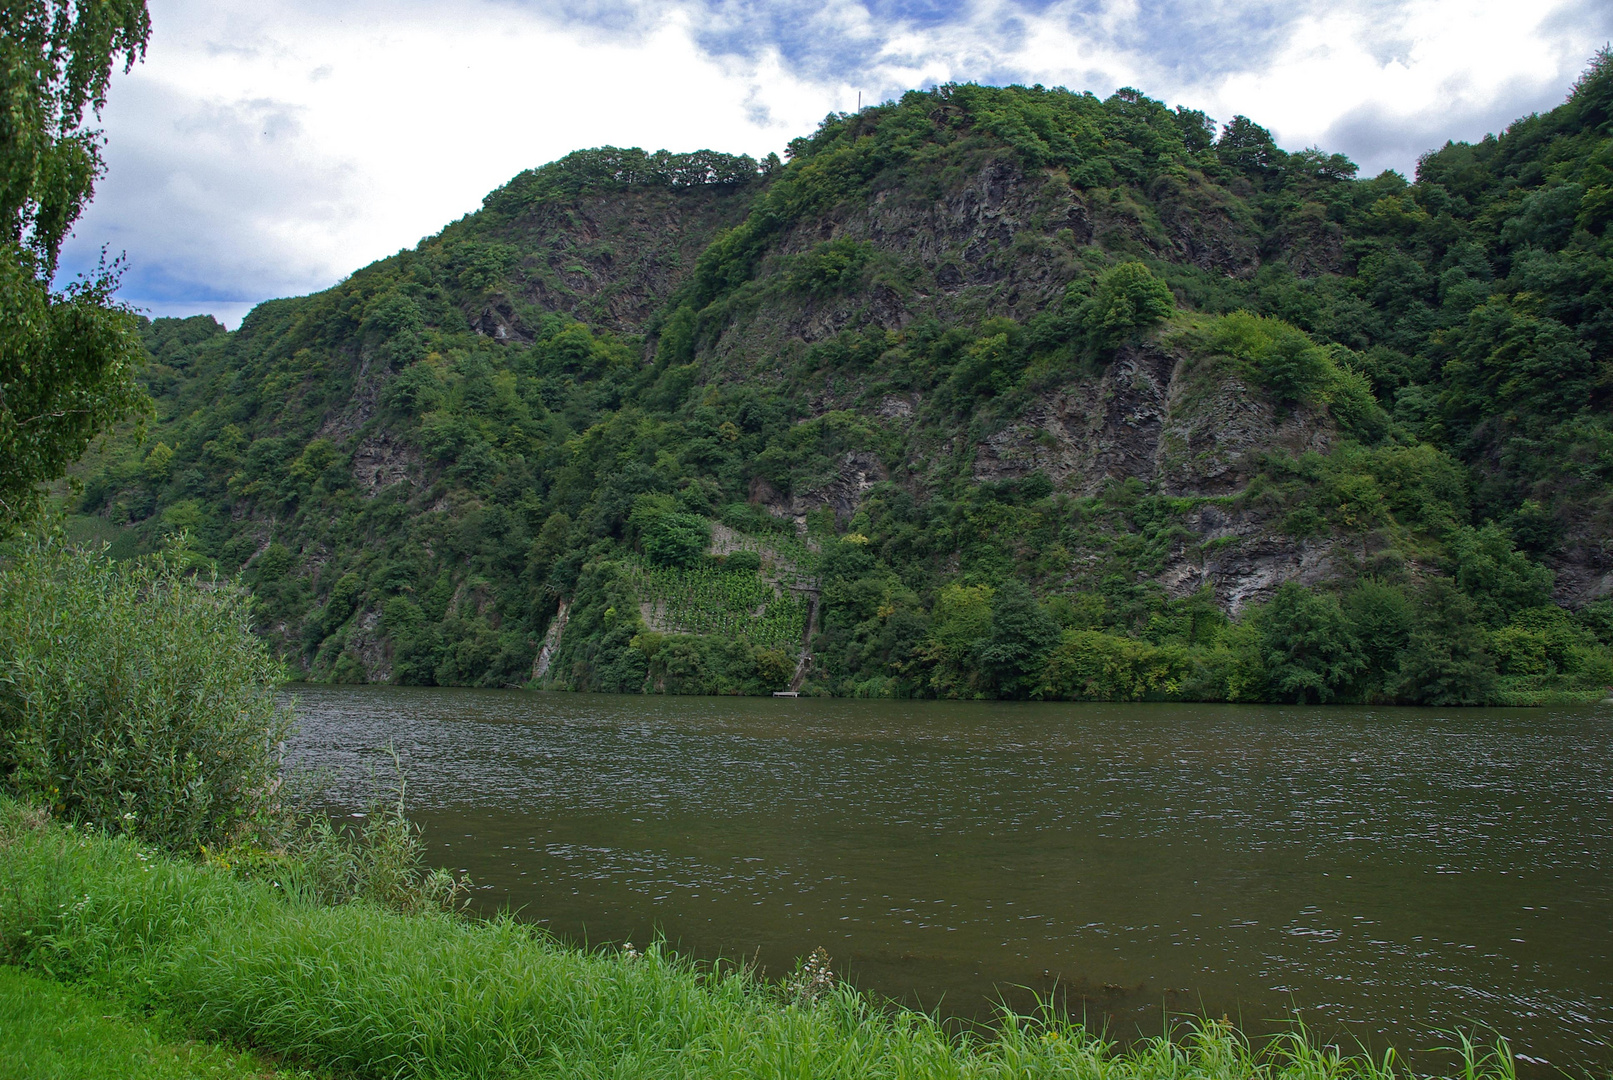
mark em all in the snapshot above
pixel 1004 392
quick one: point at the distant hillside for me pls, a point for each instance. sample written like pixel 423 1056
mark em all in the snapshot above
pixel 985 392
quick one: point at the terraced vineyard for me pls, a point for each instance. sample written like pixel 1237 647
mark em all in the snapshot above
pixel 708 600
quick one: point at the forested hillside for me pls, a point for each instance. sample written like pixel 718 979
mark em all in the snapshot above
pixel 985 392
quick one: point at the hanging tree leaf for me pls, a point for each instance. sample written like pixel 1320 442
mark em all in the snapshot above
pixel 67 358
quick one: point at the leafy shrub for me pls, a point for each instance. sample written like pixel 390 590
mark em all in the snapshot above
pixel 1502 579
pixel 831 267
pixel 989 367
pixel 667 536
pixel 960 619
pixel 676 539
pixel 1382 617
pixel 1247 147
pixel 134 696
pixel 1356 411
pixel 1090 665
pixel 697 664
pixel 1282 358
pixel 1543 649
pixel 1128 300
pixel 1445 661
pixel 1013 653
pixel 1310 649
pixel 611 168
pixel 1597 617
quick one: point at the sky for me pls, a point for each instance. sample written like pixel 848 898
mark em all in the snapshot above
pixel 269 149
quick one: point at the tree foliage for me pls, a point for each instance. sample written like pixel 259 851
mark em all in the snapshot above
pixel 67 359
pixel 416 468
pixel 1311 652
pixel 1128 300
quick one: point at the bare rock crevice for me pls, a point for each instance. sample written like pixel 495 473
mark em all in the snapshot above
pixel 382 460
pixel 1183 432
pixel 859 471
pixel 551 642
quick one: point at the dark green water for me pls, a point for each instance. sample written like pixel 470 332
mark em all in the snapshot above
pixel 1390 872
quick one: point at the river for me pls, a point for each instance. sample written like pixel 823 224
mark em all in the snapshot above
pixel 1389 873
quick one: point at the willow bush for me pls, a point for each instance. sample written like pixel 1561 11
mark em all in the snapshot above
pixel 133 695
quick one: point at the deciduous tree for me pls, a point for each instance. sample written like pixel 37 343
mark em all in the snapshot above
pixel 68 357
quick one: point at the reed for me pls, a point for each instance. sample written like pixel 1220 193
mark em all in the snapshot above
pixel 365 991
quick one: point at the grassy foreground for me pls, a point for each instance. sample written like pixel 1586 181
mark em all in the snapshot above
pixel 52 1032
pixel 357 990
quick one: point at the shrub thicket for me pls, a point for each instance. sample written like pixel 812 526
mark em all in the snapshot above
pixel 134 696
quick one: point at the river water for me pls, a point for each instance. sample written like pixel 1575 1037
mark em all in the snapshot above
pixel 1387 872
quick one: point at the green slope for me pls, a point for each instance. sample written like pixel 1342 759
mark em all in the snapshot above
pixel 1020 391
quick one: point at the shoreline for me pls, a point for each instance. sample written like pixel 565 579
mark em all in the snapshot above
pixel 357 989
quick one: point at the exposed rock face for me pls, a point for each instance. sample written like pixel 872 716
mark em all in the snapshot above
pixel 1584 566
pixel 611 260
pixel 859 471
pixel 1147 417
pixel 370 375
pixel 1004 241
pixel 381 461
pixel 367 642
pixel 1240 555
pixel 1203 229
pixel 1152 415
pixel 551 642
pixel 896 407
pixel 1001 242
pixel 1184 433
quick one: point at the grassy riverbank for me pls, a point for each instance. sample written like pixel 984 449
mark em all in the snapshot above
pixel 358 990
pixel 54 1032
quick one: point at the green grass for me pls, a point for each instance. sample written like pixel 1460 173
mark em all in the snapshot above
pixel 53 1032
pixel 365 992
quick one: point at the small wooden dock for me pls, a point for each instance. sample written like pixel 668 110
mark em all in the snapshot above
pixel 786 693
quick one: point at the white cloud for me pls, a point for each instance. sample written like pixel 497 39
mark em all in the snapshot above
pixel 1427 69
pixel 269 149
pixel 1434 66
pixel 261 153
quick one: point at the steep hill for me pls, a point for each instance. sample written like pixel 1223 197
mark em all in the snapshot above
pixel 994 392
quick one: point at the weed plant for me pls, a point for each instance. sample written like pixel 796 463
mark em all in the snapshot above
pixel 382 860
pixel 368 992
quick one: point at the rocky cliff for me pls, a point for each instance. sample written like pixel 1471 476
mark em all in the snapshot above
pixel 977 340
